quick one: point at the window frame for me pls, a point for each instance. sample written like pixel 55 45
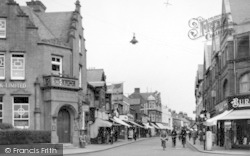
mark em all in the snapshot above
pixel 80 77
pixel 57 63
pixel 11 67
pixel 20 119
pixel 4 29
pixel 2 77
pixel 244 83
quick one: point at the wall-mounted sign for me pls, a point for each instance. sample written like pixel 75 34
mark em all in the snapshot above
pixel 12 85
pixel 240 102
pixel 221 106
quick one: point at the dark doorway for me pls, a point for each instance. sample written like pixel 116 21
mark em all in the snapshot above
pixel 63 126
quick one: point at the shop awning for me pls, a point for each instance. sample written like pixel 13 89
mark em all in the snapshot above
pixel 213 121
pixel 102 123
pixel 162 126
pixel 152 124
pixel 119 121
pixel 132 122
pixel 147 125
pixel 237 115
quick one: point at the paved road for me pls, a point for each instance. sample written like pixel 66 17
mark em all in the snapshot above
pixel 149 147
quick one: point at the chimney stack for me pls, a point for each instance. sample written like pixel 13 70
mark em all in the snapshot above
pixel 137 90
pixel 36 5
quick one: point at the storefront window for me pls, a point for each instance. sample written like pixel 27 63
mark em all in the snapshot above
pixel 241 135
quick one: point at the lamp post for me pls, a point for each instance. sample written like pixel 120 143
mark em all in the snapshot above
pixel 203 116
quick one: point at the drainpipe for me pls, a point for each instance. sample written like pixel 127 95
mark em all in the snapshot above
pixel 235 79
pixel 37 111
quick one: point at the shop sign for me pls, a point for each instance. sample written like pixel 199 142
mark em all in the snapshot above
pixel 12 85
pixel 221 106
pixel 85 108
pixel 237 103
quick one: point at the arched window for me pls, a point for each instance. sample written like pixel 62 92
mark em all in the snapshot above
pixel 225 89
pixel 245 83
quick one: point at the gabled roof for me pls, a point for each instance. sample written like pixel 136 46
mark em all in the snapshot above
pixel 58 23
pixel 240 11
pixel 146 95
pixel 43 31
pixel 94 75
pixel 51 25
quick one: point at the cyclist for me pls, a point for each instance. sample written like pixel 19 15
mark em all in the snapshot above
pixel 164 137
pixel 183 136
pixel 174 135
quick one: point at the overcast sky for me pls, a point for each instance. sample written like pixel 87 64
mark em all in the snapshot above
pixel 165 59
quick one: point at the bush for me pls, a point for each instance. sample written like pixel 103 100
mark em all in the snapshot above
pixel 4 126
pixel 15 136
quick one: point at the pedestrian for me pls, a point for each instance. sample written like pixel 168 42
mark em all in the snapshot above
pixel 111 136
pixel 135 135
pixel 194 136
pixel 189 135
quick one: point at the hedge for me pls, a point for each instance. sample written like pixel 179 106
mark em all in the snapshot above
pixel 17 136
pixel 4 126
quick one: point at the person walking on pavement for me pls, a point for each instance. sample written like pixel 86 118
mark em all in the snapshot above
pixel 194 136
pixel 135 134
pixel 111 136
pixel 174 135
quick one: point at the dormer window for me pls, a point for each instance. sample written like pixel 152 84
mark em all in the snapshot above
pixel 2 28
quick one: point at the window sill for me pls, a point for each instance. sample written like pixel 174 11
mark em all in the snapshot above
pixel 17 79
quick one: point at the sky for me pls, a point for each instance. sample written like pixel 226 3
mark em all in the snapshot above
pixel 165 59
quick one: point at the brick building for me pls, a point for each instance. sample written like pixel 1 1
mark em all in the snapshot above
pixel 42 69
pixel 226 79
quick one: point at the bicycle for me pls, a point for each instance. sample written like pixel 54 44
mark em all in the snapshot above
pixel 163 144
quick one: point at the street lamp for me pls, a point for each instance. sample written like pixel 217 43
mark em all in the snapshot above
pixel 203 116
pixel 134 41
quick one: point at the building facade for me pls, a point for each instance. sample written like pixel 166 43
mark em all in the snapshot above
pixel 226 81
pixel 42 69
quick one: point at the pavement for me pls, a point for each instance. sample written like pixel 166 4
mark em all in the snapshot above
pixel 99 147
pixel 217 149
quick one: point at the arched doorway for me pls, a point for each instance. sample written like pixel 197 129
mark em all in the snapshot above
pixel 63 125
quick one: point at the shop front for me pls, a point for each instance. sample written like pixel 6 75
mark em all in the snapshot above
pixel 236 124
